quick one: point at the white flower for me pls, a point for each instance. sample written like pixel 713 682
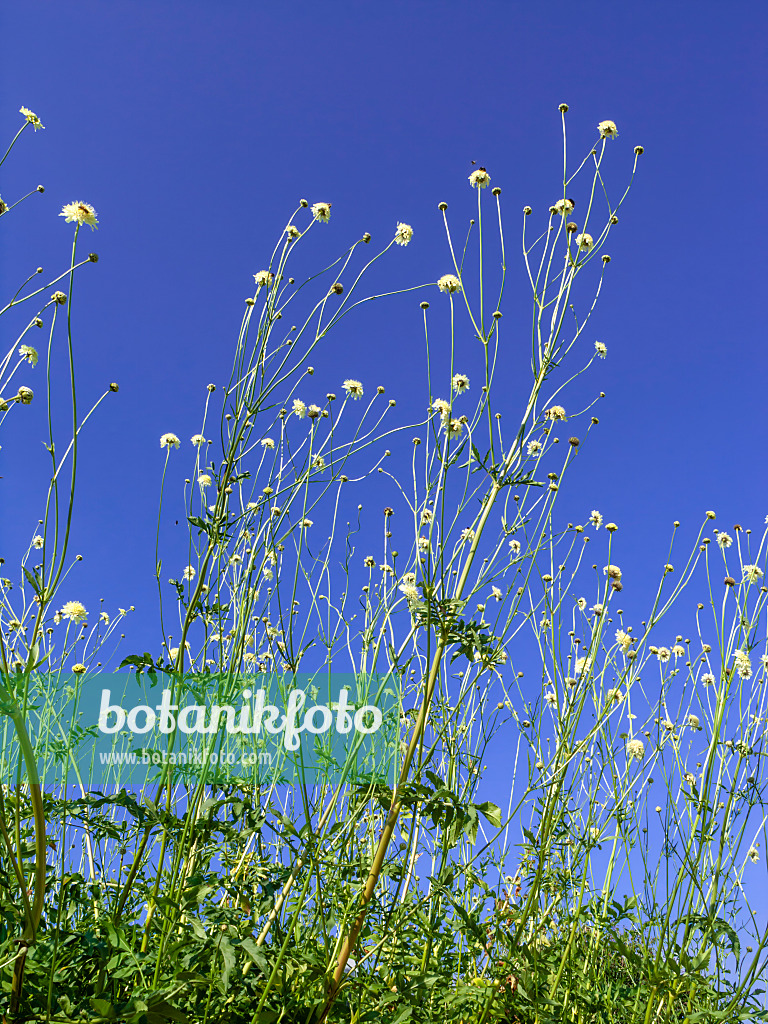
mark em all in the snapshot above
pixel 426 516
pixel 664 654
pixel 189 573
pixel 514 547
pixel 601 349
pixel 742 664
pixel 555 412
pixel 550 698
pixel 480 178
pixel 534 447
pixel 204 480
pixel 581 603
pixel 564 207
pixel 314 411
pixel 449 283
pixel 444 408
pixel 169 439
pixel 612 571
pixel 423 543
pixel 708 679
pixel 764 660
pixel 74 611
pixel 353 388
pixel 624 640
pixel 597 610
pixel 724 540
pixel 595 518
pixel 28 353
pixel 197 440
pixel 455 428
pixel 306 523
pixel 460 383
pixel 753 855
pixel 584 241
pixel 104 618
pixel 387 569
pixel 31 117
pixel 467 534
pixel 318 462
pixel 678 650
pixel 299 408
pixel 693 721
pixel 607 130
pixel 79 213
pixel 495 592
pixel 410 590
pixel 369 561
pixel 752 573
pixel 37 541
pixel 322 212
pixel 267 442
pixel 292 231
pixel 264 277
pixel 636 749
pixel 403 233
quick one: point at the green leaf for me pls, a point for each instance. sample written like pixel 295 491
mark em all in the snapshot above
pixel 491 812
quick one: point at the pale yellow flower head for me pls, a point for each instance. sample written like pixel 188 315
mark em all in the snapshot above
pixel 74 611
pixel 403 234
pixel 79 213
pixel 31 117
pixel 321 212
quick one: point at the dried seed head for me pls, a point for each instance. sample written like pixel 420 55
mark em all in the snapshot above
pixel 114 387
pixel 496 191
pixel 527 210
pixel 614 219
pixel 570 227
pixel 563 108
pixel 729 581
pixel 366 237
pixel 573 441
pixel 442 206
pixel 606 258
pixel 211 388
pixel 639 150
pixel 93 257
pixel 337 288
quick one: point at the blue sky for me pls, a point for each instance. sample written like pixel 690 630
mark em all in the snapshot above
pixel 194 128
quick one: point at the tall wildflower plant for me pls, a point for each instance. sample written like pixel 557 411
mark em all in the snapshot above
pixel 634 752
pixel 28 606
